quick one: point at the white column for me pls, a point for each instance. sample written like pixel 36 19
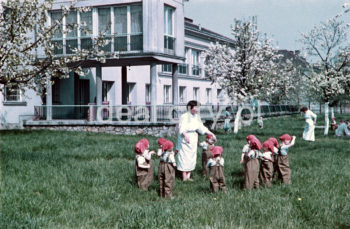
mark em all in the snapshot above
pixel 98 85
pixel 153 87
pixel 175 84
pixel 48 100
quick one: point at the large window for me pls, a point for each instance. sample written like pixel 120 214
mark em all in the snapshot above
pixel 104 26
pixel 128 30
pixel 106 90
pixel 86 30
pixel 148 94
pixel 196 93
pixel 169 37
pixel 72 34
pixel 208 95
pixel 57 38
pixel 122 27
pixel 196 70
pixel 167 93
pixel 13 94
pixel 168 68
pixel 136 38
pixel 182 92
pixel 131 99
pixel 183 69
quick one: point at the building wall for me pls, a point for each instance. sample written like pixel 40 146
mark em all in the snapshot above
pixel 10 115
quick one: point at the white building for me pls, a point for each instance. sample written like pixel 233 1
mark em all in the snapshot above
pixel 160 61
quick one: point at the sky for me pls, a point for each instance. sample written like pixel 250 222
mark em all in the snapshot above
pixel 281 20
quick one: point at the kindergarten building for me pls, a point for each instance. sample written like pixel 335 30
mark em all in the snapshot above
pixel 160 65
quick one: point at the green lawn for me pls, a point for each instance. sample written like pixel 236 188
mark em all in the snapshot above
pixel 85 180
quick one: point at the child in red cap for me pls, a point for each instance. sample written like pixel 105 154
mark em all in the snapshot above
pixel 216 173
pixel 249 159
pixel 275 154
pixel 266 165
pixel 161 141
pixel 282 159
pixel 206 154
pixel 166 170
pixel 143 165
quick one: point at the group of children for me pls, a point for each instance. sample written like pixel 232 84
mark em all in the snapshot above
pixel 274 161
pixel 273 157
pixel 166 169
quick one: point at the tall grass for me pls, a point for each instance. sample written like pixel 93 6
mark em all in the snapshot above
pixel 86 180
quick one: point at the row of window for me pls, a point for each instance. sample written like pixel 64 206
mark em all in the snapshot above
pixel 182 94
pixel 14 94
pixel 122 26
pixel 191 65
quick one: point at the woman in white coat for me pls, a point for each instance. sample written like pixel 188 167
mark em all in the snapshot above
pixel 189 126
pixel 310 119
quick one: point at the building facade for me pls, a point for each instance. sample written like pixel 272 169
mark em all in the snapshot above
pixel 159 60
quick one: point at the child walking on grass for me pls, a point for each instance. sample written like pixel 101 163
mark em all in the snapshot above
pixel 206 145
pixel 282 159
pixel 250 153
pixel 166 170
pixel 216 173
pixel 275 154
pixel 266 165
pixel 143 164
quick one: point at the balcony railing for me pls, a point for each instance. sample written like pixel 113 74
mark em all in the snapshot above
pixel 147 113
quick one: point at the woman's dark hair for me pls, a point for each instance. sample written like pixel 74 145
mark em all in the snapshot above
pixel 303 109
pixel 191 104
pixel 228 108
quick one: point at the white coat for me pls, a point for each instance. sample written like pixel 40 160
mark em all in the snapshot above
pixel 191 125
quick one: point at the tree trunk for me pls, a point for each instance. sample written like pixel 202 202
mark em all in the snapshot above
pixel 332 112
pixel 237 120
pixel 326 118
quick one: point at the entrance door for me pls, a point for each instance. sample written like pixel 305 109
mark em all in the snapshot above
pixel 81 97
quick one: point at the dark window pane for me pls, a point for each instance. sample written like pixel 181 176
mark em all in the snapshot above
pixel 70 45
pixel 58 47
pixel 136 42
pixel 86 43
pixel 120 44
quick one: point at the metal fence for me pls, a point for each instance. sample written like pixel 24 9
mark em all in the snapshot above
pixel 152 114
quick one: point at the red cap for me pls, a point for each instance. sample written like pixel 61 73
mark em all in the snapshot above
pixel 161 141
pixel 274 141
pixel 216 151
pixel 209 136
pixel 254 142
pixel 145 142
pixel 286 137
pixel 140 147
pixel 251 137
pixel 167 145
pixel 268 145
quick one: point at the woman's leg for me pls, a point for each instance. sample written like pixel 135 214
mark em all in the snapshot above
pixel 184 175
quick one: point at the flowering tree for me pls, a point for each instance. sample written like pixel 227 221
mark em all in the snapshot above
pixel 327 43
pixel 242 70
pixel 25 32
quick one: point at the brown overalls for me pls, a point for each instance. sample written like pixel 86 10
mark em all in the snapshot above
pixel 166 176
pixel 206 154
pixel 251 173
pixel 217 177
pixel 144 177
pixel 266 171
pixel 283 168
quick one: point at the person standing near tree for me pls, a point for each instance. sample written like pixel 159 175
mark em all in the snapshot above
pixel 310 119
pixel 189 126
